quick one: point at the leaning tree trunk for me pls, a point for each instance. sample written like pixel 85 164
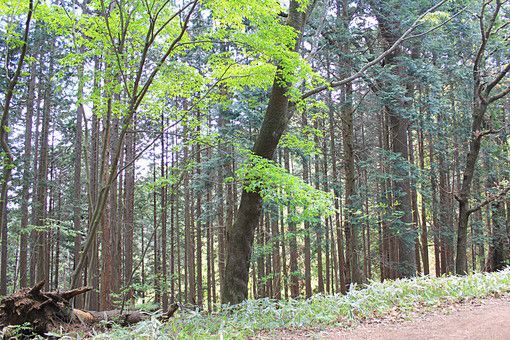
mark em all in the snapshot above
pixel 240 235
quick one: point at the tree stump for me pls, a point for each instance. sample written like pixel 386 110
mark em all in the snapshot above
pixel 42 310
pixel 46 311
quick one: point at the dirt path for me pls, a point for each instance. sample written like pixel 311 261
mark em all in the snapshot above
pixel 485 319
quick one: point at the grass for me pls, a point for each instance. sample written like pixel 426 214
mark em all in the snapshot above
pixel 377 299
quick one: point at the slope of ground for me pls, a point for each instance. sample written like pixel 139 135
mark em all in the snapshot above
pixel 329 316
pixel 474 319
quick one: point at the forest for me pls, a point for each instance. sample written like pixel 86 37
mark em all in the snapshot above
pixel 206 154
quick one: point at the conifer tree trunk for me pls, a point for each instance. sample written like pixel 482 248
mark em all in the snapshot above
pixel 77 165
pixel 434 206
pixel 343 269
pixel 414 202
pixel 156 249
pixel 399 146
pixel 407 260
pixel 319 227
pixel 8 158
pixel 129 223
pixel 199 225
pixel 174 235
pixel 293 251
pixel 276 270
pixel 164 212
pixel 43 261
pixel 211 274
pixel 351 228
pixel 115 214
pixel 424 233
pixel 25 191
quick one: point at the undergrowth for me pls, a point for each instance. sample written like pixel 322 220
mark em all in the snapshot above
pixel 375 300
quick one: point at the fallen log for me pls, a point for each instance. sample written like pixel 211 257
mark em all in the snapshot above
pixel 47 311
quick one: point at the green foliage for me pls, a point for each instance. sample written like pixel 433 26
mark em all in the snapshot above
pixel 66 228
pixel 436 18
pixel 304 146
pixel 376 300
pixel 277 186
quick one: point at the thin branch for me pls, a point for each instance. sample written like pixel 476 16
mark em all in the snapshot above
pixel 436 27
pixel 490 199
pixel 13 81
pixel 499 95
pixel 173 17
pixel 117 55
pixel 375 61
pixel 170 49
pixel 497 79
pixel 155 139
pixel 481 134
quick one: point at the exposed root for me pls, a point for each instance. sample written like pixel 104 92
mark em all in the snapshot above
pixel 46 311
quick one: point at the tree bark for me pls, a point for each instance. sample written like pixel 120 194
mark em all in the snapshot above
pixel 240 235
pixel 25 191
pixel 399 146
pixel 8 158
pixel 129 223
pixel 42 272
pixel 464 195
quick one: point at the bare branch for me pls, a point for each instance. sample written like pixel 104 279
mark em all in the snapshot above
pixel 37 288
pixel 490 199
pixel 481 134
pixel 68 295
pixel 437 26
pixel 499 95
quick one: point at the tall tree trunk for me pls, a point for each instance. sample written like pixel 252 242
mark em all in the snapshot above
pixel 129 223
pixel 424 233
pixel 8 158
pixel 240 235
pixel 293 252
pixel 174 231
pixel 307 250
pixel 164 212
pixel 25 191
pixel 464 195
pixel 399 146
pixel 434 207
pixel 41 190
pixel 343 268
pixel 199 226
pixel 351 226
pixel 157 266
pixel 407 233
pixel 77 188
pixel 319 228
pixel 414 201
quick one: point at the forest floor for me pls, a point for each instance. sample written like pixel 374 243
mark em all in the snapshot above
pixel 473 319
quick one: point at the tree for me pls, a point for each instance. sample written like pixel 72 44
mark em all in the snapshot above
pixel 240 234
pixel 483 88
pixel 12 78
